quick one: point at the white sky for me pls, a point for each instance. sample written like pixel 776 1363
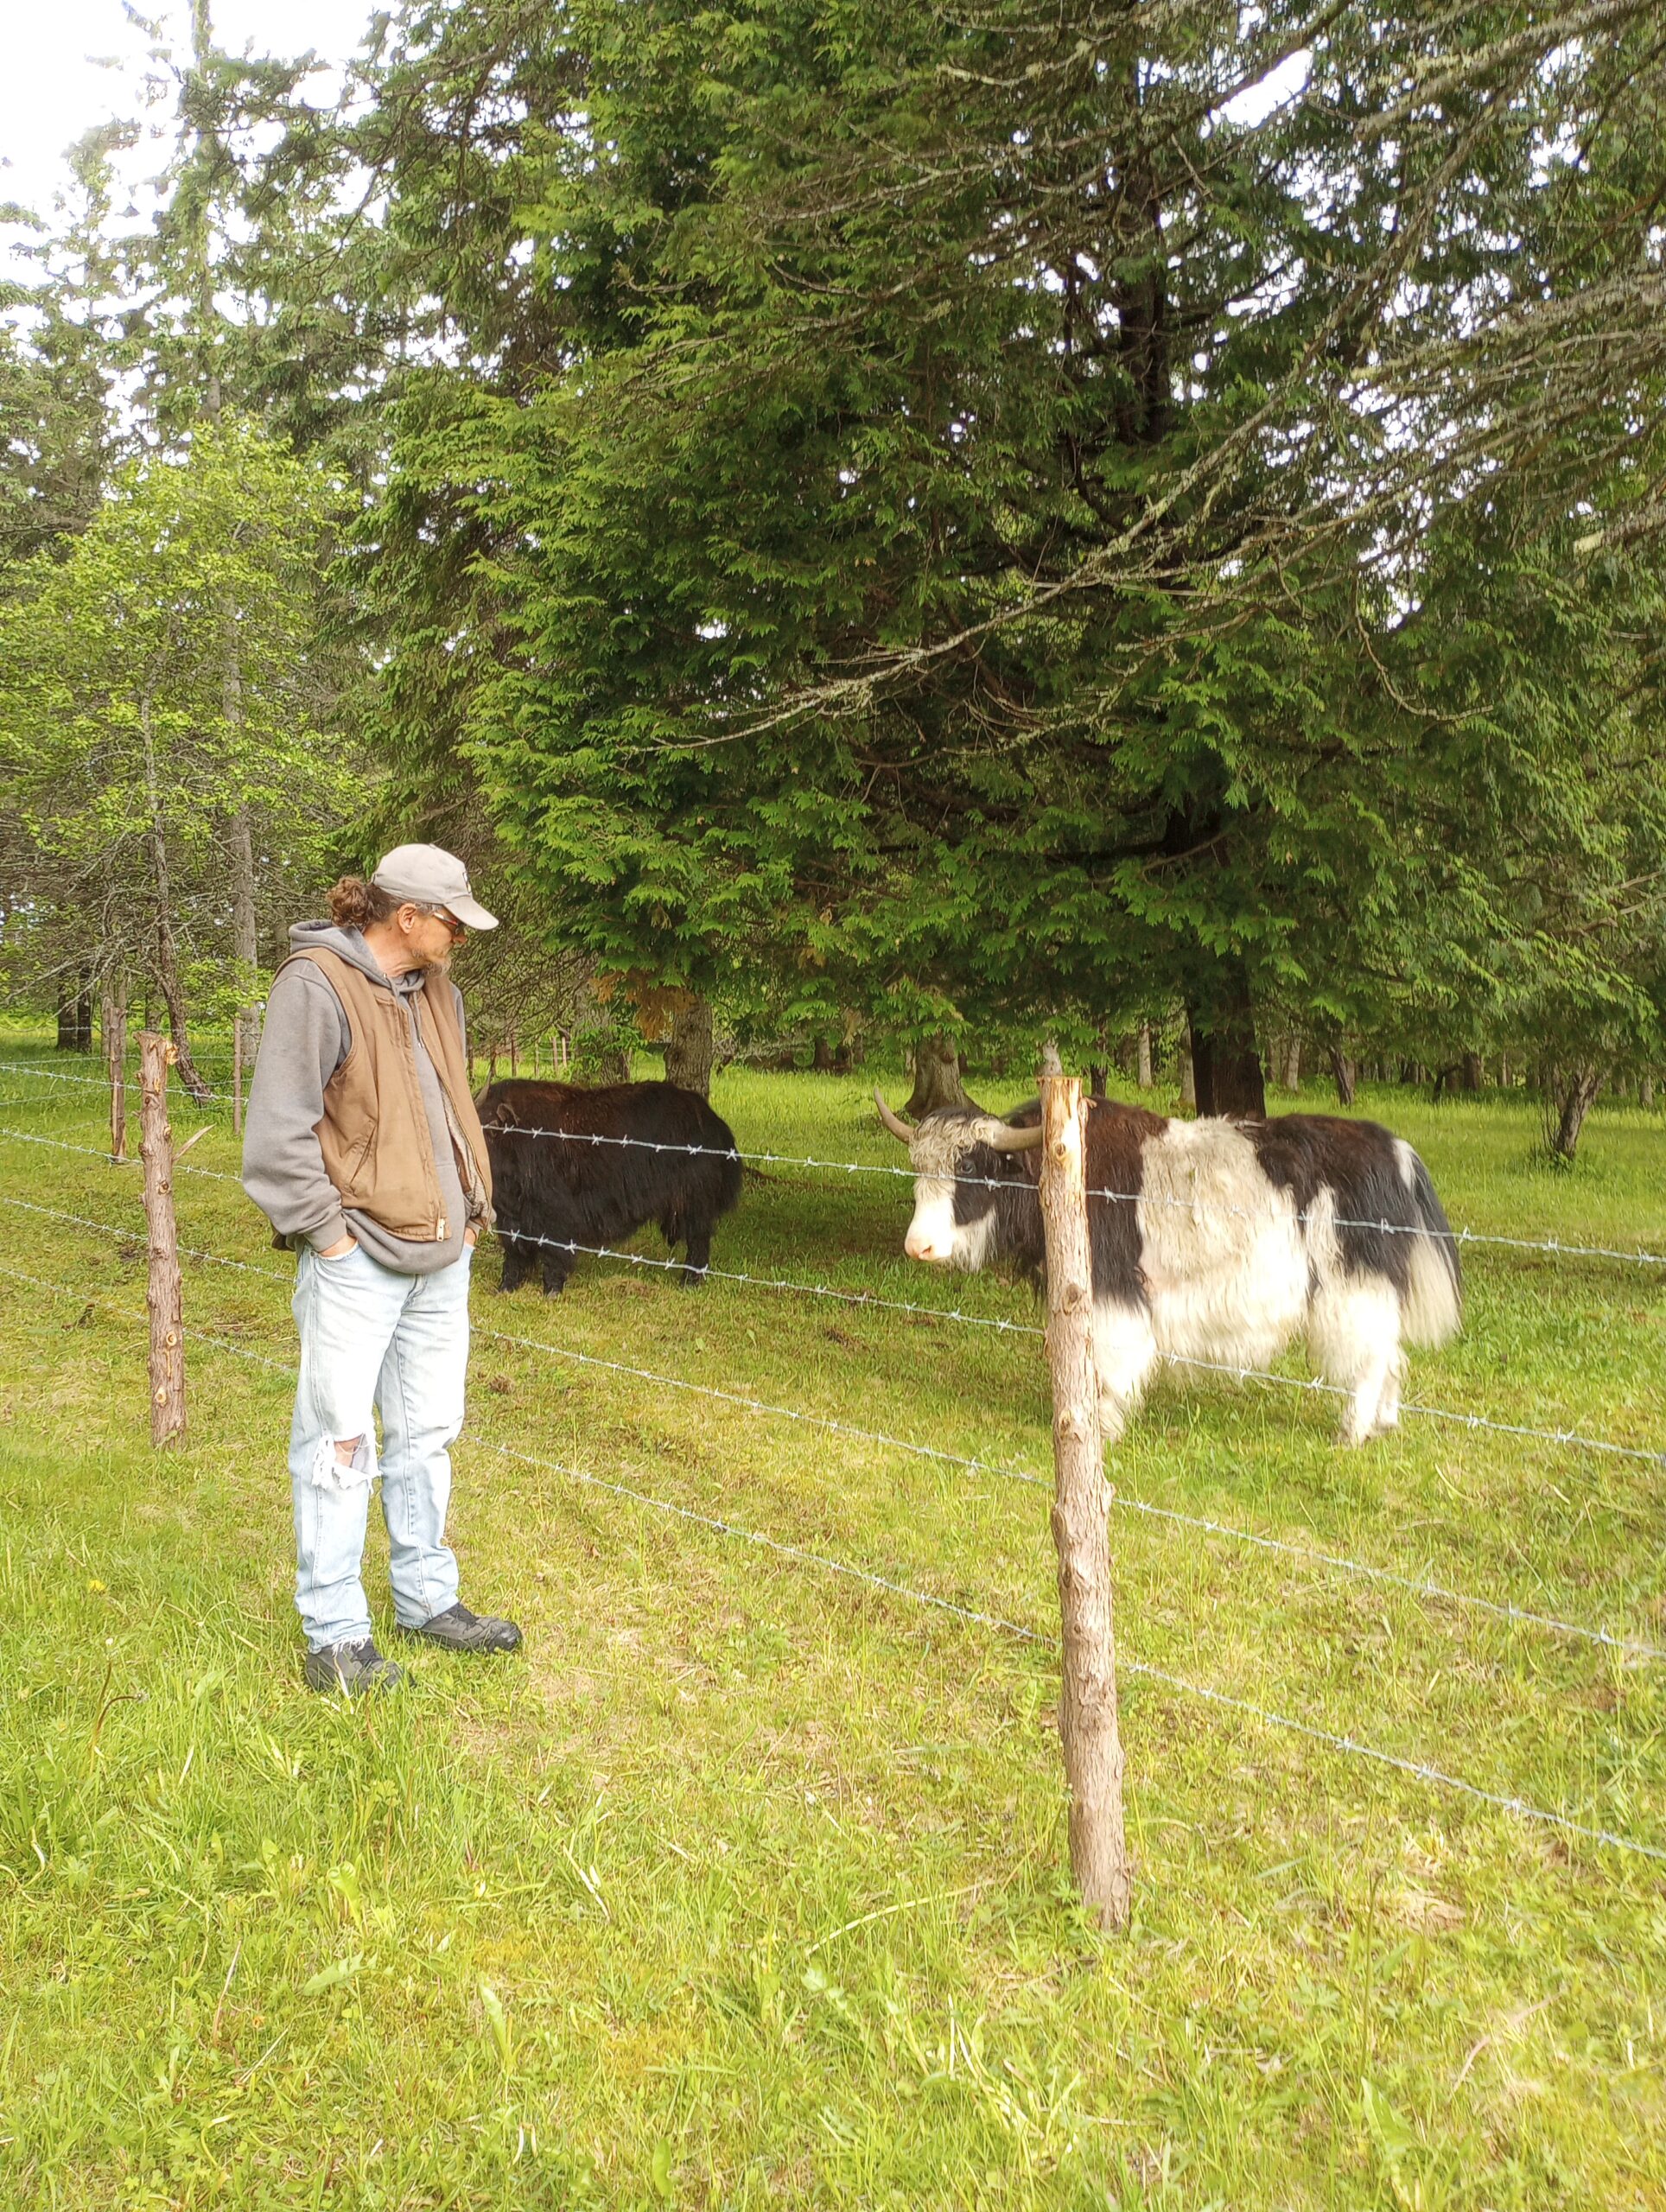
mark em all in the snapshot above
pixel 52 90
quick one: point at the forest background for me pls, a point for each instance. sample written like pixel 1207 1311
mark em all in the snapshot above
pixel 869 528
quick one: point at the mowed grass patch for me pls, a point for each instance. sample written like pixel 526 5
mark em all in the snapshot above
pixel 747 1884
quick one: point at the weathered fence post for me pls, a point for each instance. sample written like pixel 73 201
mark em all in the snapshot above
pixel 237 1076
pixel 1087 1706
pixel 114 1022
pixel 163 1294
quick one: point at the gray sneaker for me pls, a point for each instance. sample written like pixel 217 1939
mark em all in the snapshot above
pixel 351 1669
pixel 460 1631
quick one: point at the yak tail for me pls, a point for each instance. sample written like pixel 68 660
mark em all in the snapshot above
pixel 1432 1309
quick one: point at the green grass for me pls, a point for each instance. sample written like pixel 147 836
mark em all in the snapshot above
pixel 746 1886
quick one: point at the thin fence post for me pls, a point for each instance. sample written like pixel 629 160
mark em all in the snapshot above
pixel 1081 1512
pixel 115 1045
pixel 163 1294
pixel 237 1076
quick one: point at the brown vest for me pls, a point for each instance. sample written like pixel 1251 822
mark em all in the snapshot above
pixel 374 1135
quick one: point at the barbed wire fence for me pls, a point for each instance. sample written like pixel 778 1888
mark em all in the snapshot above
pixel 1631 1649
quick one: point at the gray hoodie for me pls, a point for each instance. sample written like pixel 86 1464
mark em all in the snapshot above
pixel 304 1041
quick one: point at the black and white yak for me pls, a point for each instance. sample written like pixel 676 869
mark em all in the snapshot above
pixel 1225 1240
pixel 573 1167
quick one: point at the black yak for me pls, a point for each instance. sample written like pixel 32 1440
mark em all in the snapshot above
pixel 569 1191
pixel 1227 1239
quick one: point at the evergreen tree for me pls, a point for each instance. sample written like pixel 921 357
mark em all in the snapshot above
pixel 914 511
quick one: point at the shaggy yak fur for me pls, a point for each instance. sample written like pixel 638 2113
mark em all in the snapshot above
pixel 1227 1240
pixel 564 1191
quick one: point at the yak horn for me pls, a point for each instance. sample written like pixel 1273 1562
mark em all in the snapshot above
pixel 1007 1139
pixel 894 1122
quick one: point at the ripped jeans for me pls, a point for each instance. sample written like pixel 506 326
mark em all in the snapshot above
pixel 374 1341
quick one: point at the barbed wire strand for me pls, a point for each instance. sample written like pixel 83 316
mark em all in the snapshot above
pixel 1567 1438
pixel 1417 1769
pixel 786 1283
pixel 1311 1555
pixel 1197 1208
pixel 101 1082
pixel 1243 1374
pixel 93 1151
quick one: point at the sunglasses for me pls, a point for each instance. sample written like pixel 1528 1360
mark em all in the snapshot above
pixel 456 929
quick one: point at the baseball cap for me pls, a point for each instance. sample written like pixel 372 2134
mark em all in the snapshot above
pixel 432 877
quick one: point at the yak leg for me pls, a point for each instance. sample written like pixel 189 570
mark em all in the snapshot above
pixel 1124 1353
pixel 517 1263
pixel 1387 1405
pixel 558 1266
pixel 697 1256
pixel 1353 1337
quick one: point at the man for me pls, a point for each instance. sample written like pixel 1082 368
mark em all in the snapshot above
pixel 363 1151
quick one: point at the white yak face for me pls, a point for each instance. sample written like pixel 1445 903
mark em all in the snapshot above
pixel 952 1219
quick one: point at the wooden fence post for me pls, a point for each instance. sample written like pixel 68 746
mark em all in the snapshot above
pixel 163 1294
pixel 115 1045
pixel 1087 1706
pixel 237 1076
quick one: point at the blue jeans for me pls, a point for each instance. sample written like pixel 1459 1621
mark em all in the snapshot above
pixel 374 1342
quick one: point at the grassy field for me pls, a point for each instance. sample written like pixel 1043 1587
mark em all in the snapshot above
pixel 746 1885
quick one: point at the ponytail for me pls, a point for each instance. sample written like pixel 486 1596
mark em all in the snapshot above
pixel 353 903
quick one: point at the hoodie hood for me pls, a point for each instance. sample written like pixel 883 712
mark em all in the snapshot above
pixel 349 945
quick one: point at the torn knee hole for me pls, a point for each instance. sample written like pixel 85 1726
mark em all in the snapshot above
pixel 339 1462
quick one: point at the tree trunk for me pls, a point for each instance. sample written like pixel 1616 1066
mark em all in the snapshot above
pixel 1188 1077
pixel 75 1013
pixel 166 956
pixel 115 1046
pixel 689 1050
pixel 822 1060
pixel 1569 1091
pixel 1144 1075
pixel 1506 1072
pixel 1646 1093
pixel 614 1067
pixel 1474 1073
pixel 936 1079
pixel 1225 1064
pixel 245 945
pixel 1344 1073
pixel 1098 1077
